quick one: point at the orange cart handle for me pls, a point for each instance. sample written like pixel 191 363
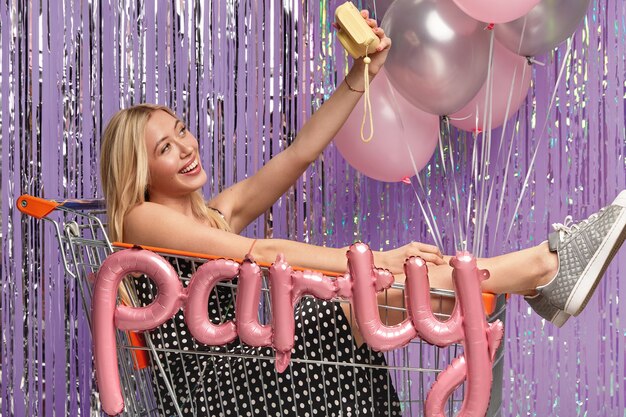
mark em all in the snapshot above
pixel 40 207
pixel 35 206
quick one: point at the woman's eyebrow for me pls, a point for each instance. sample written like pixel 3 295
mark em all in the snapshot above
pixel 156 147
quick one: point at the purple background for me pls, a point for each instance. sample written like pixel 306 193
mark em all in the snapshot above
pixel 246 76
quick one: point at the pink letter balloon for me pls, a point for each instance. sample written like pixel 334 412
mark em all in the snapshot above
pixel 364 277
pixel 287 287
pixel 511 76
pixel 195 309
pixel 496 11
pixel 106 316
pixel 543 28
pixel 480 343
pixel 400 131
pixel 439 57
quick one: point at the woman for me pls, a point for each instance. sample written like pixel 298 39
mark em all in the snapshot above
pixel 152 178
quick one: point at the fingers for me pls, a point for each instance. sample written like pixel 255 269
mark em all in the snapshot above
pixel 430 248
pixel 385 43
pixel 430 253
pixel 432 258
pixel 366 15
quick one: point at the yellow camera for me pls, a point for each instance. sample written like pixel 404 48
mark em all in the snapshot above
pixel 355 35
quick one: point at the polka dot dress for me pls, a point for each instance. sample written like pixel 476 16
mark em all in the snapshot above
pixel 239 380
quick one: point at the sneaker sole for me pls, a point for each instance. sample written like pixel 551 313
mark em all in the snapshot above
pixel 559 319
pixel 585 287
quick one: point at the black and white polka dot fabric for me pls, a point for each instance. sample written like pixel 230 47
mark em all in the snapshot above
pixel 328 375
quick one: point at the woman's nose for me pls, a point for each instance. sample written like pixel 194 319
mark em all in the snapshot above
pixel 185 148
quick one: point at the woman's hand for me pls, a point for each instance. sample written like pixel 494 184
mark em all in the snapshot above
pixel 379 56
pixel 393 260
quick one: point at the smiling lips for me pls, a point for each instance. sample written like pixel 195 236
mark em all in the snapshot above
pixel 190 167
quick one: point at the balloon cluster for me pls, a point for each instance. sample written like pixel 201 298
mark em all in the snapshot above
pixel 466 324
pixel 465 59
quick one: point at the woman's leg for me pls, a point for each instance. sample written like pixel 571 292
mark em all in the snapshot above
pixel 514 273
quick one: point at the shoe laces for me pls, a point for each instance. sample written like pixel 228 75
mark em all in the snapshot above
pixel 568 226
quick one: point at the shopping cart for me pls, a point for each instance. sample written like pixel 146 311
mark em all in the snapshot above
pixel 212 382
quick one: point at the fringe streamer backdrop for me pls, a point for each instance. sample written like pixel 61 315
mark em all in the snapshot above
pixel 245 76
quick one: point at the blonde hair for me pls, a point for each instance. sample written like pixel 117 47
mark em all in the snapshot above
pixel 124 169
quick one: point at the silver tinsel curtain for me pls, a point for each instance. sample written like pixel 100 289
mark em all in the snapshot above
pixel 246 75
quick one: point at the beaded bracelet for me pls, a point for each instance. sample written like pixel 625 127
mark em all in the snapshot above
pixel 350 87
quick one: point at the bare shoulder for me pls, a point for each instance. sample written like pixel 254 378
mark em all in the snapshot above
pixel 146 211
pixel 153 224
pixel 148 219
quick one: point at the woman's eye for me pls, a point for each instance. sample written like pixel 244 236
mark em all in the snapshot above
pixel 165 148
pixel 182 131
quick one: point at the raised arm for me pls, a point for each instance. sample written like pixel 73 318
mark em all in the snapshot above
pixel 248 199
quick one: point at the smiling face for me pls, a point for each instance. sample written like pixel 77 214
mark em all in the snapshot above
pixel 173 162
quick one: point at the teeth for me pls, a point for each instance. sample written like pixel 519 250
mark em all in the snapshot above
pixel 193 165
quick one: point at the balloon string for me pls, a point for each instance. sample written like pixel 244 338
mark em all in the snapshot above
pixel 429 216
pixel 511 142
pixel 543 129
pixel 367 104
pixel 461 242
pixel 473 185
pixel 427 211
pixel 485 152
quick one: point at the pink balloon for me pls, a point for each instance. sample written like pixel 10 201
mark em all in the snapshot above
pixel 251 332
pixel 496 11
pixel 400 130
pixel 478 345
pixel 195 311
pixel 511 76
pixel 417 294
pixel 106 316
pixel 364 277
pixel 286 288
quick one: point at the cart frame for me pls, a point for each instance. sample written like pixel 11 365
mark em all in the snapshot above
pixel 80 230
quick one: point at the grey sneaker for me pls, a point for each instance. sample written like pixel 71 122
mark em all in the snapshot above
pixel 546 310
pixel 584 251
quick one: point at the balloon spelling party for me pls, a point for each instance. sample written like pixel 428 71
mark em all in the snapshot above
pixel 466 324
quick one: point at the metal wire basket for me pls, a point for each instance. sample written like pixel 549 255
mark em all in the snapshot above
pixel 166 372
